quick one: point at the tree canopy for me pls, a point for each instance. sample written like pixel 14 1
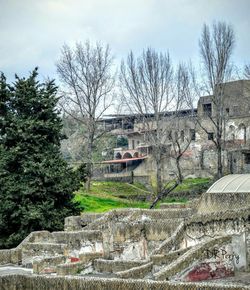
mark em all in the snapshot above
pixel 36 186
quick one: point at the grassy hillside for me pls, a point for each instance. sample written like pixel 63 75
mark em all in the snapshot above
pixel 109 195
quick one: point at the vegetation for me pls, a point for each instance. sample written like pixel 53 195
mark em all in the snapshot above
pixel 216 49
pixel 88 81
pixel 107 195
pixel 190 187
pixel 192 184
pixel 36 185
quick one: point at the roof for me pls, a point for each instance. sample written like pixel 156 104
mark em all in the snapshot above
pixel 123 160
pixel 182 112
pixel 231 184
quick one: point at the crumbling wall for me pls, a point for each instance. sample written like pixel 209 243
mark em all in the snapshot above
pixel 76 223
pixel 135 233
pixel 14 256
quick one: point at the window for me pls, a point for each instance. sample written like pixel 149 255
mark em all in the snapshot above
pixel 210 136
pixel 192 134
pixel 247 158
pixel 227 111
pixel 170 135
pixel 207 109
pixel 133 144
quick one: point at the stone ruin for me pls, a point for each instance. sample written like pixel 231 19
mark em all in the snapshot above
pixel 205 240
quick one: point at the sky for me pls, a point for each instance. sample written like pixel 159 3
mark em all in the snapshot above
pixel 32 32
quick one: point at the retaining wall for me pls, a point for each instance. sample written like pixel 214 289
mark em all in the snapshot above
pixel 14 282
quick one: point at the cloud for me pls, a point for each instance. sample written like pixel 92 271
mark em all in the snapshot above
pixel 33 32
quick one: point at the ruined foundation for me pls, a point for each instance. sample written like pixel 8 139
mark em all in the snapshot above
pixel 181 247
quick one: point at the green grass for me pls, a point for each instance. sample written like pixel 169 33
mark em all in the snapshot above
pixel 190 183
pixel 108 195
pixel 105 196
pixel 117 189
pixel 175 200
pixel 91 203
pixel 190 186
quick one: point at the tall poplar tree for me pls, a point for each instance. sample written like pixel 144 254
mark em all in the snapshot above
pixel 36 186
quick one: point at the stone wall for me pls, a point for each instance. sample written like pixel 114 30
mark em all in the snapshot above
pixel 221 201
pixel 11 256
pixel 113 266
pixel 75 223
pixel 14 256
pixel 13 282
pixel 233 222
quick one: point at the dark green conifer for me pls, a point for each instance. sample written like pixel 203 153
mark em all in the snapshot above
pixel 36 185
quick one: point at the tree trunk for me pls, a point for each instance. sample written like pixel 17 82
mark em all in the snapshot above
pixel 180 177
pixel 89 165
pixel 158 176
pixel 219 148
pixel 87 184
pixel 163 194
pixel 219 162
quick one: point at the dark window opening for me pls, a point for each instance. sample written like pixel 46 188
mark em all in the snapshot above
pixel 192 134
pixel 210 136
pixel 133 144
pixel 247 158
pixel 227 110
pixel 207 109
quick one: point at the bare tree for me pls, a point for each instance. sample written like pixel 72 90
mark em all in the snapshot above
pixel 146 88
pixel 216 47
pixel 182 121
pixel 88 81
pixel 186 95
pixel 152 91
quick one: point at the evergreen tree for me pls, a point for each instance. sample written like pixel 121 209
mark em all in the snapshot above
pixel 36 186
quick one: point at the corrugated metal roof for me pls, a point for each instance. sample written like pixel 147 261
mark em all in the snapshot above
pixel 231 183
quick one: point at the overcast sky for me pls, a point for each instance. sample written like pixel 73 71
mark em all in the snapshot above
pixel 32 32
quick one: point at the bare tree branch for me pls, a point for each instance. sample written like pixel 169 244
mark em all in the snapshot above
pixel 88 81
pixel 216 47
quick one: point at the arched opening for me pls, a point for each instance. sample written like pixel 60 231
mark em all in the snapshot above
pixel 118 155
pixel 136 155
pixel 127 155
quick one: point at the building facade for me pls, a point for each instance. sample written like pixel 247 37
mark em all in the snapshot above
pixel 195 128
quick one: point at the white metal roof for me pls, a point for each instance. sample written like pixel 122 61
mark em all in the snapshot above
pixel 231 183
